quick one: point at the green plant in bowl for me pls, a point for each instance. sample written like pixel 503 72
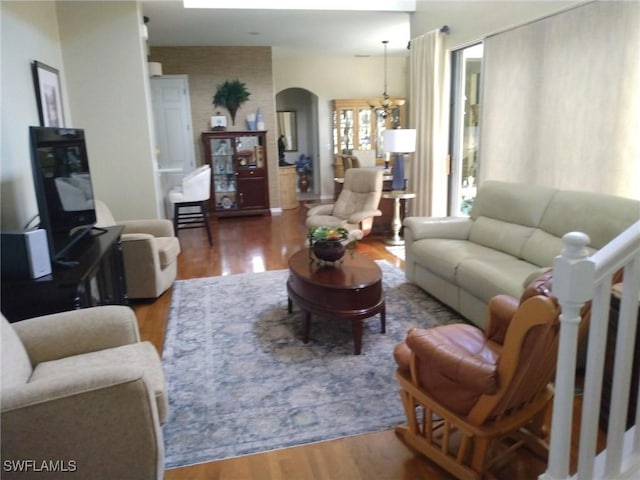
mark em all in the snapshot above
pixel 330 244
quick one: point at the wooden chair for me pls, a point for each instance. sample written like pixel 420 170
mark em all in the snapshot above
pixel 472 397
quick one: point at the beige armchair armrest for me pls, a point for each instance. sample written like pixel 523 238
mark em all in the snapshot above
pixel 360 216
pixel 157 227
pixel 323 209
pixel 129 237
pixel 60 335
pixel 139 250
pixel 104 420
pixel 436 227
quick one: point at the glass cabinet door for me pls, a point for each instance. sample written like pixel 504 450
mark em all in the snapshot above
pixel 345 127
pixel 249 152
pixel 223 171
pixel 365 129
pixel 359 126
pixel 240 172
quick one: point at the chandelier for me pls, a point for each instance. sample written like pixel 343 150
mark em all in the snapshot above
pixel 385 105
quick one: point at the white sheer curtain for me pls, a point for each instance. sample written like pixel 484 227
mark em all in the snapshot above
pixel 429 115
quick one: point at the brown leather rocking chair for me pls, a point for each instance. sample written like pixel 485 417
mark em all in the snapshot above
pixel 466 392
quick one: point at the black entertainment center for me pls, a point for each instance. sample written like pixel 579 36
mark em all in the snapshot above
pixel 96 278
pixel 86 261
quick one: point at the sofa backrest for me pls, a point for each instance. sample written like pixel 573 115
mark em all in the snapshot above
pixel 528 221
pixel 506 215
pixel 16 366
pixel 602 217
pixel 517 203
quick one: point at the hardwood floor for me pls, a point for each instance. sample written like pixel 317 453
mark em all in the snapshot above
pixel 254 244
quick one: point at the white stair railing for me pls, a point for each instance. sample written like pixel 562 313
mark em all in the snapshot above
pixel 578 278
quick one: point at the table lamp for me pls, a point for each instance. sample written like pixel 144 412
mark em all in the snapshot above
pixel 399 141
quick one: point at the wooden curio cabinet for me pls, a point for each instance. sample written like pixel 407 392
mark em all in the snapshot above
pixel 239 184
pixel 357 126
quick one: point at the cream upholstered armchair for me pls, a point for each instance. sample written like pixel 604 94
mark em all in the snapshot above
pixel 356 205
pixel 80 388
pixel 150 253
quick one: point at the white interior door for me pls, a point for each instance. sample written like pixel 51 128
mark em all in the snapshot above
pixel 173 130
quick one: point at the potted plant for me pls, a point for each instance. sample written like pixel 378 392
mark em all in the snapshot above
pixel 231 95
pixel 330 244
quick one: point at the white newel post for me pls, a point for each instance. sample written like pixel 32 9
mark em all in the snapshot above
pixel 573 275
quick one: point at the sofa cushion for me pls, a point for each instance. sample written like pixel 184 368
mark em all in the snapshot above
pixel 141 355
pixel 512 202
pixel 485 277
pixel 503 236
pixel 602 217
pixel 443 256
pixel 16 366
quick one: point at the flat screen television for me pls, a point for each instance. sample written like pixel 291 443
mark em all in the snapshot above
pixel 63 187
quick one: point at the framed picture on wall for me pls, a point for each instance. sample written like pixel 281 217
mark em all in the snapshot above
pixel 48 95
pixel 219 122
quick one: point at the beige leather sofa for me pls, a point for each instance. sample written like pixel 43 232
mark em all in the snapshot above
pixel 150 251
pixel 514 232
pixel 79 388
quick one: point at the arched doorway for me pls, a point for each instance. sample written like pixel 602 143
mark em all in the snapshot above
pixel 305 105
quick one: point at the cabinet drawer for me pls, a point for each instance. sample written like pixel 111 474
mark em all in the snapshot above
pixel 250 172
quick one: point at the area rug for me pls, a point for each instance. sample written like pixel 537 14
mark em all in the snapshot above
pixel 241 380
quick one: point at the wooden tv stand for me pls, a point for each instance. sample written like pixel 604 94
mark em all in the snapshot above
pixel 96 279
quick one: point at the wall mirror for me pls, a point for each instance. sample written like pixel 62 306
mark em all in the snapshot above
pixel 287 130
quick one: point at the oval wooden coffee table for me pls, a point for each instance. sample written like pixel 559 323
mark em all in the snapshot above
pixel 351 290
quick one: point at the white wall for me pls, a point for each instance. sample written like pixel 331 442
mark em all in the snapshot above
pixel 105 62
pixel 28 32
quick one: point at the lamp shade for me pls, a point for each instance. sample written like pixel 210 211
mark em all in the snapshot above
pixel 155 69
pixel 399 140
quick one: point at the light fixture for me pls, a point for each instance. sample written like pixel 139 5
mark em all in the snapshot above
pixel 399 141
pixel 385 104
pixel 155 69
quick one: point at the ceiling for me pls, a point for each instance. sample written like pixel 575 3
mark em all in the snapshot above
pixel 289 32
pixel 308 33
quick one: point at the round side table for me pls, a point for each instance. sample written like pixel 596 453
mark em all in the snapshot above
pixel 396 223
